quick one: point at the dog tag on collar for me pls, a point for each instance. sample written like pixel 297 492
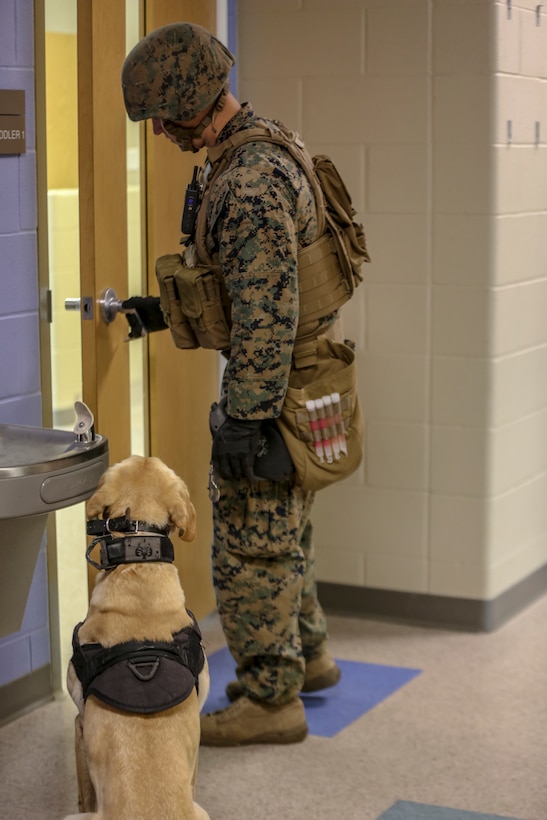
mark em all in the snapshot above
pixel 142 548
pixel 212 487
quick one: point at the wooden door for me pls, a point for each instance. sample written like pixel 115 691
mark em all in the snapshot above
pixel 103 219
pixel 182 384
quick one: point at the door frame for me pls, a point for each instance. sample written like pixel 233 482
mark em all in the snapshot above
pixel 182 384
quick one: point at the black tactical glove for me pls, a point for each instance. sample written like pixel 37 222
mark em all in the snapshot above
pixel 148 310
pixel 235 445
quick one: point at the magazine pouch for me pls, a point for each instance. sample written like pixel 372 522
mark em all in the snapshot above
pixel 194 304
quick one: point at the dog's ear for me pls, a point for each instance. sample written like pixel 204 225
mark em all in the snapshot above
pixel 97 504
pixel 182 512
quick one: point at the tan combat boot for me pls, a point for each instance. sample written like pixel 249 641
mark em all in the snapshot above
pixel 321 673
pixel 250 721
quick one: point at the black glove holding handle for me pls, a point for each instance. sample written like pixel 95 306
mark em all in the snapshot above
pixel 149 314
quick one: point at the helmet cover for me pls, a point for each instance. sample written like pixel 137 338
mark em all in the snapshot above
pixel 174 73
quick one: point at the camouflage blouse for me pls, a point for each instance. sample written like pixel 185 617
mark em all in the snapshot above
pixel 260 210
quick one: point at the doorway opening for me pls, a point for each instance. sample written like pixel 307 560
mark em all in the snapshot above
pixel 64 276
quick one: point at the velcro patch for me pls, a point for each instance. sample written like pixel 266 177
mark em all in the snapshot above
pixel 147 685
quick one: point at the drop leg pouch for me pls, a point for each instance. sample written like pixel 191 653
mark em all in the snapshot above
pixel 333 371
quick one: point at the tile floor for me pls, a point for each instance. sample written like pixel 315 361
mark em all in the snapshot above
pixel 465 738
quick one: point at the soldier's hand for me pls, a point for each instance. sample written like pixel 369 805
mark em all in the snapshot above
pixel 235 445
pixel 148 310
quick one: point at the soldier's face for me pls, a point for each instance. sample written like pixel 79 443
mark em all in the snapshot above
pixel 157 128
pixel 183 134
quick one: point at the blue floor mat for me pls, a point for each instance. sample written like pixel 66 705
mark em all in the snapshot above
pixel 402 810
pixel 361 688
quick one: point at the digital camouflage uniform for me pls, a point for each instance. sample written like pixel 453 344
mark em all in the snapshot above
pixel 260 210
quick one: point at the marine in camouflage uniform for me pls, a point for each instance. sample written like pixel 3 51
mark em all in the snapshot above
pixel 260 211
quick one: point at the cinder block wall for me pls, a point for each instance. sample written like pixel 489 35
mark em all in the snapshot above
pixel 27 651
pixel 436 113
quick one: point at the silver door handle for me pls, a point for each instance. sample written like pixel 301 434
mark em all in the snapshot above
pixel 109 305
pixel 83 306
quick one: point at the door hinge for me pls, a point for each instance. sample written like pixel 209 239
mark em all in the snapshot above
pixel 47 306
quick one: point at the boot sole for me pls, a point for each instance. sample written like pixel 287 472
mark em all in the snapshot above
pixel 324 681
pixel 273 738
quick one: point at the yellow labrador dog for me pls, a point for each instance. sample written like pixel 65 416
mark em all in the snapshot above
pixel 137 759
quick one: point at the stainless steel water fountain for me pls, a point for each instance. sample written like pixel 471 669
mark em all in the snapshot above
pixel 41 470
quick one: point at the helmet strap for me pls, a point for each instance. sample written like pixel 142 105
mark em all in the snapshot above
pixel 184 136
pixel 219 104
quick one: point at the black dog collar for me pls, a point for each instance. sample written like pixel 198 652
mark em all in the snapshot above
pixel 104 526
pixel 131 549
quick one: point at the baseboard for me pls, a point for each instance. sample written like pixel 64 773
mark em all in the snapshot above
pixel 468 614
pixel 25 693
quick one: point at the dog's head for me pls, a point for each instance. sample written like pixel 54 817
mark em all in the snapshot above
pixel 145 489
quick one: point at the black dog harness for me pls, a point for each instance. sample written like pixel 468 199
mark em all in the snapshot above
pixel 141 676
pixel 137 676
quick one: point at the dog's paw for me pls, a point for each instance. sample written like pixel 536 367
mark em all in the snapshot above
pixel 87 815
pixel 200 813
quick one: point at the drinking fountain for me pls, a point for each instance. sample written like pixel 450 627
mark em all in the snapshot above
pixel 41 470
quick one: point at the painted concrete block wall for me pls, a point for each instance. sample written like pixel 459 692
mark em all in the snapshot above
pixel 412 99
pixel 20 398
pixel 516 541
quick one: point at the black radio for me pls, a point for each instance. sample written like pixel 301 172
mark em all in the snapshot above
pixel 191 204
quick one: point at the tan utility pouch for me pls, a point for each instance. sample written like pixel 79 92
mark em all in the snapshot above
pixel 192 303
pixel 332 373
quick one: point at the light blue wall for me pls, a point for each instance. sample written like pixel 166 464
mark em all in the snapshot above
pixel 20 398
pixel 232 41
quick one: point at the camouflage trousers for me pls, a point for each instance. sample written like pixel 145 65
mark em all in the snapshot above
pixel 264 577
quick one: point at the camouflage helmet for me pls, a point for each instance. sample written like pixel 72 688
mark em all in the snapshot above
pixel 174 73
